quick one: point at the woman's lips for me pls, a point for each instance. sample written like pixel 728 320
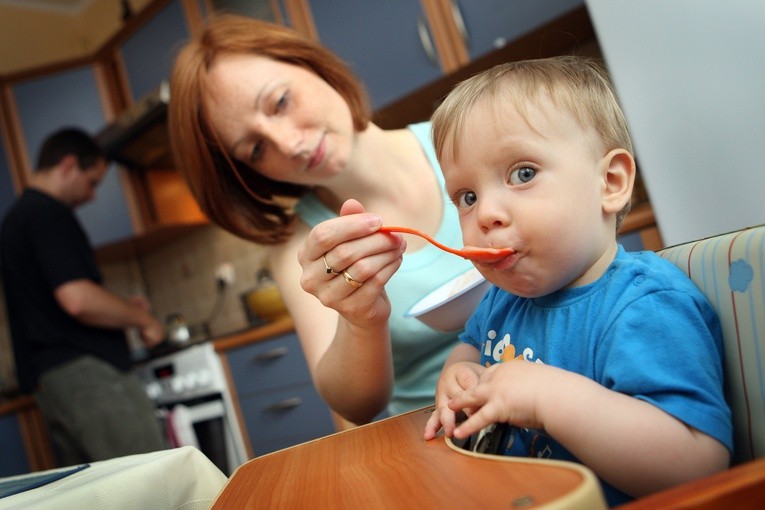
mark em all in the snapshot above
pixel 318 155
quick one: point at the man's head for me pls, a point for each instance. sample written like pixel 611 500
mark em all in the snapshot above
pixel 72 164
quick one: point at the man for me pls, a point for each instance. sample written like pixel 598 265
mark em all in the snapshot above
pixel 67 329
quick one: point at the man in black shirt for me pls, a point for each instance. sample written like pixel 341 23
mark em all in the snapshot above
pixel 67 328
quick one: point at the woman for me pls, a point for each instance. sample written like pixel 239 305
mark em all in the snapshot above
pixel 274 137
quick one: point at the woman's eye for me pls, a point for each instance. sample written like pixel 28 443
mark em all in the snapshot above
pixel 257 152
pixel 281 102
pixel 522 175
pixel 465 199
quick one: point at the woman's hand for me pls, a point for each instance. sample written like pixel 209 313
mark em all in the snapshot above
pixel 346 267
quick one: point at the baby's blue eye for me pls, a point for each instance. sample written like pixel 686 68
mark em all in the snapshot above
pixel 522 175
pixel 466 199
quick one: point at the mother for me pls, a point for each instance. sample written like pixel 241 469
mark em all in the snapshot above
pixel 273 134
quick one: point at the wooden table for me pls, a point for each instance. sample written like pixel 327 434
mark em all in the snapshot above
pixel 387 464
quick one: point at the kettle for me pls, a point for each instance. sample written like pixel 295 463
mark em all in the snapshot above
pixel 177 329
pixel 264 302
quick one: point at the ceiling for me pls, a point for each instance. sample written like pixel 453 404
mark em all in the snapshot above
pixel 69 7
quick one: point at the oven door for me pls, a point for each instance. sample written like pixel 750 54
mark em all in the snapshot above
pixel 203 423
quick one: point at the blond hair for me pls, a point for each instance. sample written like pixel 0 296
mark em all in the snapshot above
pixel 580 86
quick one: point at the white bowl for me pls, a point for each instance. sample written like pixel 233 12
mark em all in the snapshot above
pixel 449 306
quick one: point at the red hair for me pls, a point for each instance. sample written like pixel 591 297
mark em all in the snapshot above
pixel 231 194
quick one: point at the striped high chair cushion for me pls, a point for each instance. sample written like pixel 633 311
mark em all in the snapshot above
pixel 729 270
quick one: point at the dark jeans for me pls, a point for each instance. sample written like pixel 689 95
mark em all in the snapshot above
pixel 96 412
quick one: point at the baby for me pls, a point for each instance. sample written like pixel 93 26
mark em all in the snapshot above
pixel 590 353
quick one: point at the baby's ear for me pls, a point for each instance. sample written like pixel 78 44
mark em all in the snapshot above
pixel 618 171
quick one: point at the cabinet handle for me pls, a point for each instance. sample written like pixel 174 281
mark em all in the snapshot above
pixel 459 21
pixel 283 405
pixel 427 43
pixel 273 354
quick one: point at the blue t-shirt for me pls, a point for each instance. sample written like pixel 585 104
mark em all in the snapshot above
pixel 419 352
pixel 642 329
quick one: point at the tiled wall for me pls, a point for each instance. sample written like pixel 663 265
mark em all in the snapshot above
pixel 177 278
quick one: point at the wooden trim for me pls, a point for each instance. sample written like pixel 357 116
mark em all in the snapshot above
pixel 277 10
pixel 639 217
pixel 35 436
pixel 280 326
pixel 10 136
pixel 299 13
pixel 194 16
pixel 106 90
pixel 651 238
pixel 741 487
pixel 443 33
pixel 235 401
pixel 459 53
pixel 21 166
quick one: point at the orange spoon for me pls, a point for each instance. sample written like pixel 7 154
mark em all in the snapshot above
pixel 474 254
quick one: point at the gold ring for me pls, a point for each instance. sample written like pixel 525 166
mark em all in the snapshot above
pixel 351 280
pixel 327 266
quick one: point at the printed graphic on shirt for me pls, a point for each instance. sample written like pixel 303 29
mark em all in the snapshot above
pixel 497 350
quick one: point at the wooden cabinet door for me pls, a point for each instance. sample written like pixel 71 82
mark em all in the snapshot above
pixel 389 45
pixel 71 98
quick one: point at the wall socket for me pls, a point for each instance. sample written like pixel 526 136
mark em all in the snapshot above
pixel 225 274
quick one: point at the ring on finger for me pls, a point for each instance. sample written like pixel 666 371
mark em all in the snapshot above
pixel 327 266
pixel 351 280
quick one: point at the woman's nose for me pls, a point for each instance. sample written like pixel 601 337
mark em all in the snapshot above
pixel 286 139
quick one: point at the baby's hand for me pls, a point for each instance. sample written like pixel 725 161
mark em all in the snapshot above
pixel 454 380
pixel 507 392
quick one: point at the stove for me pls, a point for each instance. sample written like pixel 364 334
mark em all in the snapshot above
pixel 193 402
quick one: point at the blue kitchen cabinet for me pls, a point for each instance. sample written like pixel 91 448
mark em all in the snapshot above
pixel 381 41
pixel 13 459
pixel 385 42
pixel 277 399
pixel 71 98
pixel 491 24
pixel 149 53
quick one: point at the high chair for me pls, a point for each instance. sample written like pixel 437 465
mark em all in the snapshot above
pixel 728 269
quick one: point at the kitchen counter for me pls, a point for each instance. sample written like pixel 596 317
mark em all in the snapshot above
pixel 280 326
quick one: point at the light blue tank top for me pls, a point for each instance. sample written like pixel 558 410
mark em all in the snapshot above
pixel 419 351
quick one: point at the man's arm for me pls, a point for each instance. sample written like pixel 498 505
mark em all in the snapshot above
pixel 94 305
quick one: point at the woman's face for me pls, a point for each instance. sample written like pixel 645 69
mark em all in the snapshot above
pixel 280 119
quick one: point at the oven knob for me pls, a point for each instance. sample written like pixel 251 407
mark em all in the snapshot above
pixel 153 390
pixel 191 381
pixel 205 378
pixel 177 384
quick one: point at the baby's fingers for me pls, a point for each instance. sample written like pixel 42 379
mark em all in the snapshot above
pixel 443 417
